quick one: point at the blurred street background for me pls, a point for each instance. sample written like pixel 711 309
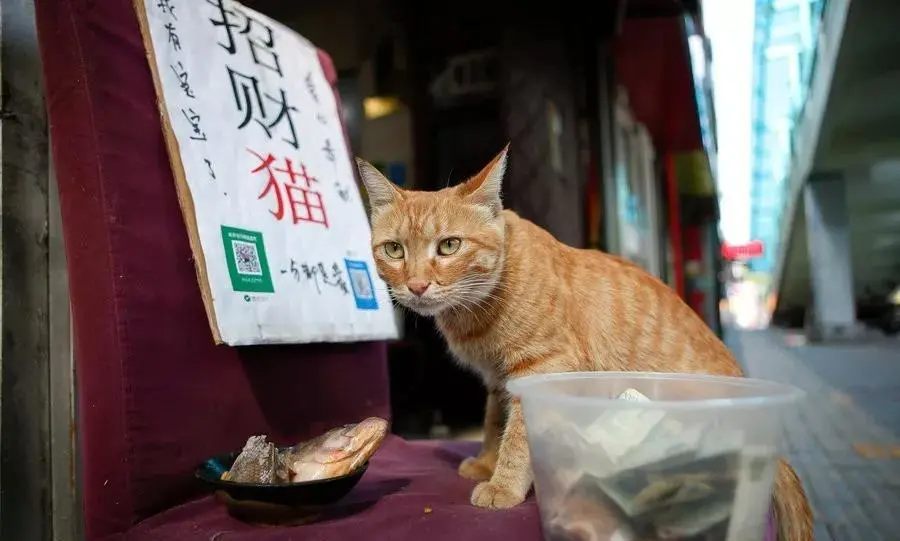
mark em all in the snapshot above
pixel 843 440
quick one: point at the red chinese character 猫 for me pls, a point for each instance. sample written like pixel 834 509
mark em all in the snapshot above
pixel 305 204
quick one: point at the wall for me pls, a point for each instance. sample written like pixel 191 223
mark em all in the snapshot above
pixel 388 138
pixel 349 32
pixel 546 179
pixel 38 501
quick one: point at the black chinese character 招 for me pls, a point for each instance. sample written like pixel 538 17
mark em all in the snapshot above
pixel 260 37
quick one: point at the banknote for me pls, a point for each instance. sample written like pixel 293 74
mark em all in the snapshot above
pixel 674 480
pixel 660 478
pixel 690 505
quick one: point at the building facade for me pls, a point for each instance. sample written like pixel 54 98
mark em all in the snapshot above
pixel 783 39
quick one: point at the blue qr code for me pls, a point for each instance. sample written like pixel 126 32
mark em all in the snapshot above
pixel 361 283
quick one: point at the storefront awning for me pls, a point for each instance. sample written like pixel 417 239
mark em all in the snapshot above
pixel 653 64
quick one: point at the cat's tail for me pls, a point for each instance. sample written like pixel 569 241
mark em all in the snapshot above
pixel 791 506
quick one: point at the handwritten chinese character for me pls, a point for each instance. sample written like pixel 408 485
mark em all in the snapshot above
pixel 305 204
pixel 182 75
pixel 319 275
pixel 210 167
pixel 166 7
pixel 194 119
pixel 311 272
pixel 311 87
pixel 260 37
pixel 336 279
pixel 295 272
pixel 249 101
pixel 342 191
pixel 173 36
pixel 328 150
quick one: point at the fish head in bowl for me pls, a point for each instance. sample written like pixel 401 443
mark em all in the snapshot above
pixel 315 493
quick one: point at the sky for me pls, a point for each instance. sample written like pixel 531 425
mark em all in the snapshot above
pixel 729 25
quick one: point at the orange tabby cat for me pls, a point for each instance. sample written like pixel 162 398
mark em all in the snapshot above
pixel 512 301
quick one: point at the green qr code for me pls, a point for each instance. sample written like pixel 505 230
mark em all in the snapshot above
pixel 245 256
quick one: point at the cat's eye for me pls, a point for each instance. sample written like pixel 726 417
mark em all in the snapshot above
pixel 449 246
pixel 393 250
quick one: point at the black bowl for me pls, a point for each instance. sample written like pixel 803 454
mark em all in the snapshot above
pixel 306 494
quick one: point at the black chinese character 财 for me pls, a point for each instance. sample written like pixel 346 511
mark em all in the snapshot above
pixel 260 37
pixel 248 99
pixel 194 119
pixel 182 75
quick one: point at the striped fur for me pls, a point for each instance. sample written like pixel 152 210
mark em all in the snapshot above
pixel 513 301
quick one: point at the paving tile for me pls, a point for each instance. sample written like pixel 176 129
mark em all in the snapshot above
pixel 821 532
pixel 842 439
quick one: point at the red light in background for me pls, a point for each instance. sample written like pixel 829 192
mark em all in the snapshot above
pixel 741 252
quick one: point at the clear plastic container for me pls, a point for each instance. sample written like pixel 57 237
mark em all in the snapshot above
pixel 696 461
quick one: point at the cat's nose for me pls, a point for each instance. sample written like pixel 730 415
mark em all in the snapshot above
pixel 417 286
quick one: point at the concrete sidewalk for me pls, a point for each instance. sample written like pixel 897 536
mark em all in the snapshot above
pixel 843 440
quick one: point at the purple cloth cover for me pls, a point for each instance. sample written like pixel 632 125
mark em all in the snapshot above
pixel 771 528
pixel 410 493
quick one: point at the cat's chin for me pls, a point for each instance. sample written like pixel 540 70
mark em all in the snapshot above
pixel 429 311
pixel 423 307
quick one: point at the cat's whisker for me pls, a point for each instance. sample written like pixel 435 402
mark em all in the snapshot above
pixel 473 315
pixel 474 292
pixel 471 304
pixel 480 282
pixel 477 311
pixel 467 306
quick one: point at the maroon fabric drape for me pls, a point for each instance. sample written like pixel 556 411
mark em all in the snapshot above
pixel 156 396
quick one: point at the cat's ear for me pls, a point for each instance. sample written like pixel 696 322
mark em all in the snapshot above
pixel 484 188
pixel 382 191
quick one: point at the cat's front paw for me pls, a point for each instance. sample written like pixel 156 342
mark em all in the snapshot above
pixel 494 496
pixel 476 469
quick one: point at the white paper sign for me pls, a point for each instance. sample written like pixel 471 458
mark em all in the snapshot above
pixel 269 195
